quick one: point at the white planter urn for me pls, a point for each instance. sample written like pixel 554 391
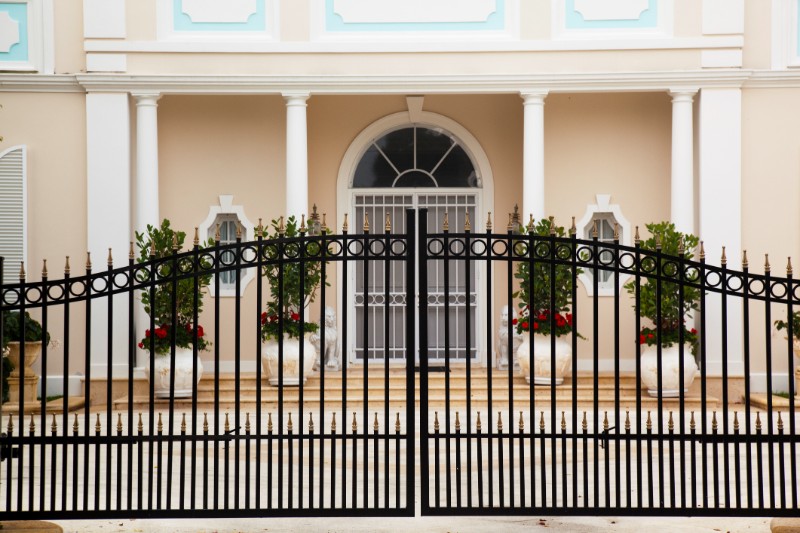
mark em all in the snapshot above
pixel 542 357
pixel 291 360
pixel 183 373
pixel 670 370
pixel 32 351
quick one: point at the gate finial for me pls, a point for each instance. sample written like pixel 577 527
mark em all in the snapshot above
pixel 217 234
pixel 281 227
pixel 355 423
pixel 388 224
pixel 467 223
pixel 289 425
pixel 66 267
pixel 32 425
pixel 478 423
pixel 140 425
pixel 780 423
pixel 54 426
pixel 131 253
pixel 692 425
pixel 605 421
pixel 302 227
pixel 259 229
pixel 789 267
pixel 636 238
pixel 333 422
pixel 310 419
pixel 446 223
pixel 758 422
pixel 500 422
pixel 714 421
pixel 616 231
pixel 767 268
pixel 397 423
pixel 724 259
pixel 627 421
pixel 97 425
pixel 246 423
pixel 160 427
pixel 552 225
pixel 682 246
pixel 736 422
pixel 119 423
pixel 522 422
pixel 269 422
pixel 510 225
pixel 110 258
pixel 366 222
pixel 541 422
pixel 563 421
pixel 344 224
pixel 649 423
pixel 227 423
pixel 744 259
pixel 375 424
pixel 324 223
pixel 74 424
pixel 205 422
pixel 573 230
pixel 489 222
pixel 88 260
pixel 238 230
pixel 196 240
pixel 435 421
pixel 584 423
pixel 702 251
pixel 531 224
pixel 174 243
pixel 44 268
pixel 670 423
pixel 458 423
pixel 22 271
pixel 183 423
pixel 594 229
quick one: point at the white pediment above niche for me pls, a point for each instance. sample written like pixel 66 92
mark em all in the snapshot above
pixel 611 9
pixel 413 11
pixel 215 11
pixel 9 32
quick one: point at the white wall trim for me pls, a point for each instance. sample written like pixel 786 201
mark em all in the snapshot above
pixel 420 44
pixel 168 36
pixel 226 206
pixel 106 62
pixel 663 29
pixel 104 19
pixel 603 205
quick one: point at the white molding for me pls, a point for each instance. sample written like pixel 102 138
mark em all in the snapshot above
pixel 423 84
pixel 721 58
pixel 603 205
pixel 413 11
pixel 106 62
pixel 780 33
pixel 611 9
pixel 214 11
pixel 9 32
pixel 723 17
pixel 40 38
pixel 421 43
pixel 169 37
pixel 104 19
pixel 437 84
pixel 663 30
pixel 226 206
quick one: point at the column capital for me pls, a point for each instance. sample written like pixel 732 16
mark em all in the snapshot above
pixel 534 96
pixel 296 98
pixel 149 98
pixel 683 94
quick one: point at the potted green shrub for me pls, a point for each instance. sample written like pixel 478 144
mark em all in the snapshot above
pixel 783 324
pixel 14 337
pixel 163 241
pixel 673 319
pixel 536 303
pixel 280 323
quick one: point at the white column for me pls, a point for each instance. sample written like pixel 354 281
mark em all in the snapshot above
pixel 720 190
pixel 108 214
pixel 683 161
pixel 296 154
pixel 533 154
pixel 146 160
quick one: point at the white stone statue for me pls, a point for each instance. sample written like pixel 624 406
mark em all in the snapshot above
pixel 330 352
pixel 502 339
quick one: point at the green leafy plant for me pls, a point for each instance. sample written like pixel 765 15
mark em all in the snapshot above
pixel 536 301
pixel 783 324
pixel 12 329
pixel 166 242
pixel 292 283
pixel 673 314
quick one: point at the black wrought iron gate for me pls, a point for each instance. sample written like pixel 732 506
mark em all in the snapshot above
pixel 342 439
pixel 598 443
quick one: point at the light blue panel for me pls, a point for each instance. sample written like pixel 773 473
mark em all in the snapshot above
pixel 334 23
pixel 19 51
pixel 575 21
pixel 182 22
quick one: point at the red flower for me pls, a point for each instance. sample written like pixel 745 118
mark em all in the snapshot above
pixel 693 331
pixel 542 317
pixel 642 340
pixel 141 345
pixel 273 318
pixel 525 325
pixel 535 326
pixel 650 335
pixel 200 331
pixel 569 319
pixel 147 333
pixel 295 317
pixel 264 317
pixel 161 332
pixel 560 322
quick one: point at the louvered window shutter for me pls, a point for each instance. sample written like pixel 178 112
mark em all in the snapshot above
pixel 12 211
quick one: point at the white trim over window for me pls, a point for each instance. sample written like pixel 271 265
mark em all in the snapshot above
pixel 35 41
pixel 226 212
pixel 606 214
pixel 13 211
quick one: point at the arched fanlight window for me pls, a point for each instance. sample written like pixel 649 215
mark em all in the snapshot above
pixel 415 156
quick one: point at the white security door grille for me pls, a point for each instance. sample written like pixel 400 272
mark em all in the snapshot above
pixel 370 300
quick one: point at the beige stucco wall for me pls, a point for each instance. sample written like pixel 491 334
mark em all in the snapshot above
pixel 56 189
pixel 68 24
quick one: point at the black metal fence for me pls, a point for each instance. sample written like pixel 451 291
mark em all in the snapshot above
pixel 343 440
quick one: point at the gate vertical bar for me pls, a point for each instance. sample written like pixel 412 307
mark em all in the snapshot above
pixel 423 359
pixel 411 307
